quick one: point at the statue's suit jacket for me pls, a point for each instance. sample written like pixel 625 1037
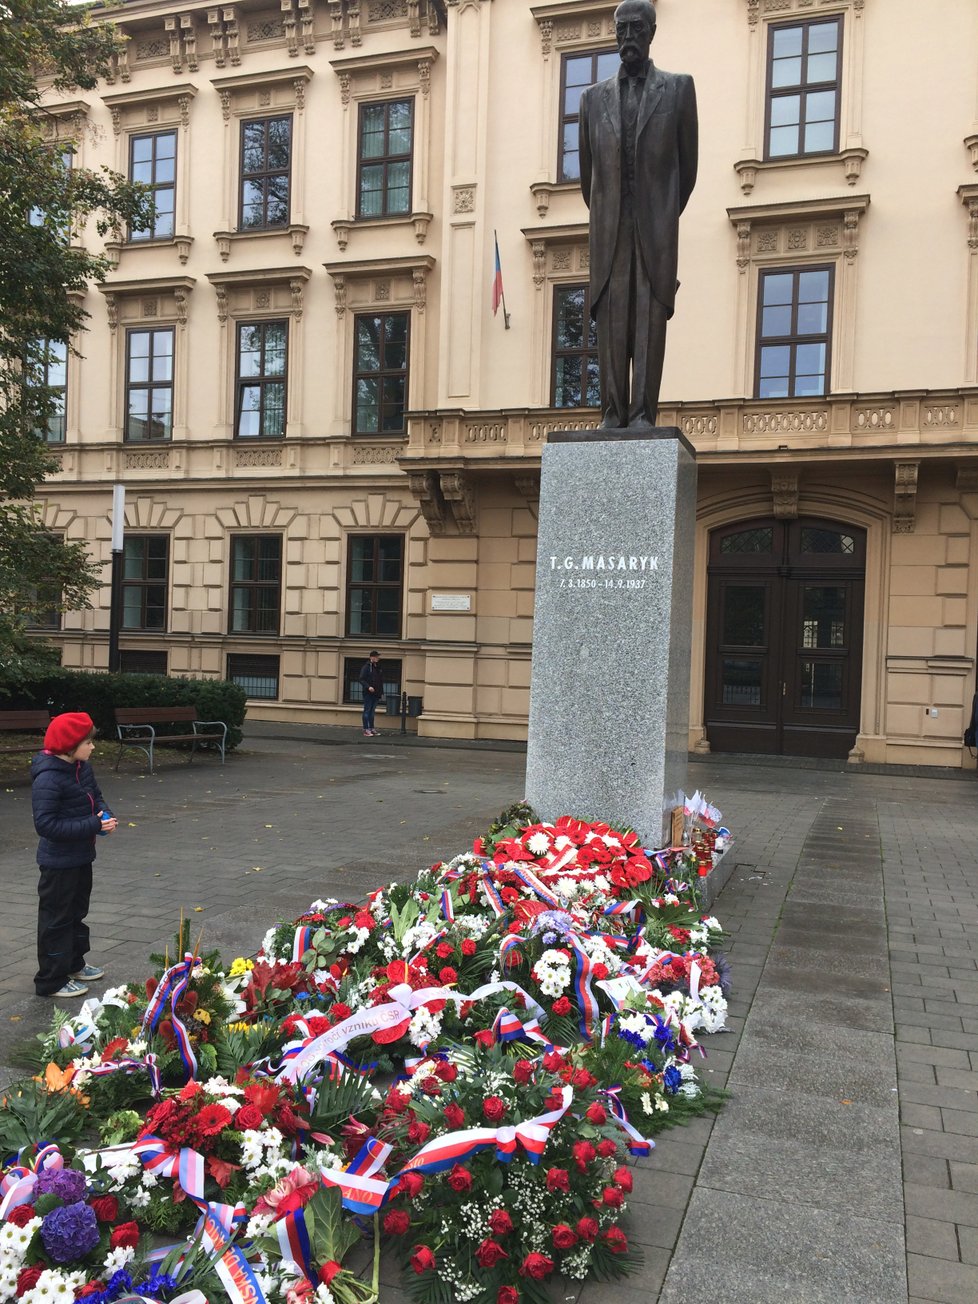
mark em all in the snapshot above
pixel 665 172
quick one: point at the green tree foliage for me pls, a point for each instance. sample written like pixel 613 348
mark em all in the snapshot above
pixel 45 207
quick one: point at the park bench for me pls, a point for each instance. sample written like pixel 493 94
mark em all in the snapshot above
pixel 137 727
pixel 23 722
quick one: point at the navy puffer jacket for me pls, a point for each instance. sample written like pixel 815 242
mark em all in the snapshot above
pixel 66 801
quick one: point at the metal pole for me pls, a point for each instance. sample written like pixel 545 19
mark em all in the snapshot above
pixel 404 713
pixel 115 595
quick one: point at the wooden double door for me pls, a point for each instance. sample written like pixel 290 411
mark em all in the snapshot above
pixel 784 637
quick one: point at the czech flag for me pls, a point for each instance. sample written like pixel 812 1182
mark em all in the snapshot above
pixel 497 281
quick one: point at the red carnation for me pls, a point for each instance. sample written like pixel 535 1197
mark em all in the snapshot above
pixel 623 1177
pixel 454 1116
pixel 564 1237
pixel 599 971
pixel 397 1222
pixel 536 1266
pixel 489 1254
pixel 27 1279
pixel 105 1208
pixel 447 976
pixel 596 1113
pixel 126 1234
pixel 460 1179
pixel 469 947
pixel 89 1288
pixel 364 919
pixel 583 1152
pixel 500 1223
pixel 422 1260
pixel 561 1006
pixel 587 1228
pixel 616 1240
pixel 22 1215
pixel 607 1148
pixel 443 950
pixel 558 1179
pixel 508 1295
pixel 248 1118
pixel 494 1108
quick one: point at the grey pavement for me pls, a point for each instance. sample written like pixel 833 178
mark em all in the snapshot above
pixel 844 1166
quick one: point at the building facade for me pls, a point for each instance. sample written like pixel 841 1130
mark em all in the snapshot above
pixel 330 441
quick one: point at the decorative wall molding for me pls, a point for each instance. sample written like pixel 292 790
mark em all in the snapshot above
pixel 905 475
pixel 784 491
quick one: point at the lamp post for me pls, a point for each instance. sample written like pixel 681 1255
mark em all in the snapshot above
pixel 115 599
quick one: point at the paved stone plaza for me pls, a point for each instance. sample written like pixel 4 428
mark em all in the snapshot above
pixel 855 1010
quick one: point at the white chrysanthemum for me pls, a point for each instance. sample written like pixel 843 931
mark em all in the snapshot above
pixel 118 1258
pixel 538 843
pixel 322 905
pixel 268 943
pixel 566 888
pixel 324 1295
pixel 418 937
pixel 116 996
pixel 258 1225
pixel 358 938
pixel 424 1027
pixel 637 1024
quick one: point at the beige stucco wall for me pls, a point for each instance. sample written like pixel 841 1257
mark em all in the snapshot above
pixel 892 449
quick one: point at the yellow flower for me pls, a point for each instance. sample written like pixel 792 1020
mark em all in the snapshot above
pixel 202 1015
pixel 240 966
pixel 239 1027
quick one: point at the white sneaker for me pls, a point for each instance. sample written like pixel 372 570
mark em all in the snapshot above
pixel 71 988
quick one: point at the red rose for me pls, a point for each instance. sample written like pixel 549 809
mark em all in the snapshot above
pixel 522 1071
pixel 469 947
pixel 485 1037
pixel 581 1078
pixel 561 1006
pixel 431 1086
pixel 596 1113
pixel 616 1240
pixel 623 1177
pixel 397 1222
pixel 564 1238
pixel 500 1223
pixel 447 976
pixel 489 1254
pixel 553 1061
pixel 558 1179
pixel 447 1072
pixel 587 1228
pixel 422 1260
pixel 508 1295
pixel 454 1116
pixel 22 1215
pixel 105 1208
pixel 443 950
pixel 411 1184
pixel 27 1279
pixel 460 1179
pixel 329 1270
pixel 418 1132
pixel 248 1118
pixel 494 1108
pixel 583 1152
pixel 607 1148
pixel 126 1234
pixel 536 1266
pixel 612 1197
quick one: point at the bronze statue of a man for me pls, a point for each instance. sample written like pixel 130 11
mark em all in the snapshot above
pixel 638 167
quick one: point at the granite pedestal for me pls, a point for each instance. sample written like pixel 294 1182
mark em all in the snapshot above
pixel 609 696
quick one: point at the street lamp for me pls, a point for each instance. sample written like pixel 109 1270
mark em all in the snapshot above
pixel 115 599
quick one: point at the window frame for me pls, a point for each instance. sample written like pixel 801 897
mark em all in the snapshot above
pixel 243 177
pixel 149 385
pixel 374 586
pixel 386 159
pixel 380 373
pixel 802 89
pixel 582 354
pixel 235 674
pixel 253 585
pixel 352 688
pixel 144 584
pixel 262 380
pixel 61 417
pixel 563 117
pixel 793 339
pixel 141 236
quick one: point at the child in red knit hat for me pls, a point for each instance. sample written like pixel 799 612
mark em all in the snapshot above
pixel 69 811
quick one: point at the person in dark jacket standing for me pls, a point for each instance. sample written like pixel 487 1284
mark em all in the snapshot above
pixel 69 811
pixel 372 680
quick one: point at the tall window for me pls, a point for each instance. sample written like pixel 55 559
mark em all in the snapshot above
pixel 384 158
pixel 52 376
pixel 144 581
pixel 153 161
pixel 375 573
pixel 575 349
pixel 43 608
pixel 256 583
pixel 793 332
pixel 38 215
pixel 353 689
pixel 577 73
pixel 149 384
pixel 380 373
pixel 803 88
pixel 262 377
pixel 266 155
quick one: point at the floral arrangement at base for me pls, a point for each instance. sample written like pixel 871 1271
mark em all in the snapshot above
pixel 459 1067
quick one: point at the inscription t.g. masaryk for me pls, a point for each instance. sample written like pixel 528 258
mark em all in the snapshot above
pixel 638 142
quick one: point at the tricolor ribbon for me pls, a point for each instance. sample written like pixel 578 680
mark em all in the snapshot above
pixel 301 942
pixel 130 1065
pixel 530 879
pixel 18 1182
pixel 172 986
pixel 447 906
pixel 637 1144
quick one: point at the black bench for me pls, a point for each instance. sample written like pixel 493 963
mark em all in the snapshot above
pixel 137 727
pixel 23 722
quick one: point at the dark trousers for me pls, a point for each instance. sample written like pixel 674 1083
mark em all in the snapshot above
pixel 369 707
pixel 631 325
pixel 62 934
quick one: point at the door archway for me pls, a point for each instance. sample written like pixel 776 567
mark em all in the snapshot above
pixel 784 637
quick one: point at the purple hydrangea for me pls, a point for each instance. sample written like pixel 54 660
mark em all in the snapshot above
pixel 69 1232
pixel 68 1184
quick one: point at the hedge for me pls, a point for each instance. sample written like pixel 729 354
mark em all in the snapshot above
pixel 99 694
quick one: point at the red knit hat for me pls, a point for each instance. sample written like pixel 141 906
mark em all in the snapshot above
pixel 66 731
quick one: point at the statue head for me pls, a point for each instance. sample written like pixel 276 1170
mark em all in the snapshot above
pixel 634 29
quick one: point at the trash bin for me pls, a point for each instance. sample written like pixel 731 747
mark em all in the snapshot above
pixel 393 704
pixel 414 705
